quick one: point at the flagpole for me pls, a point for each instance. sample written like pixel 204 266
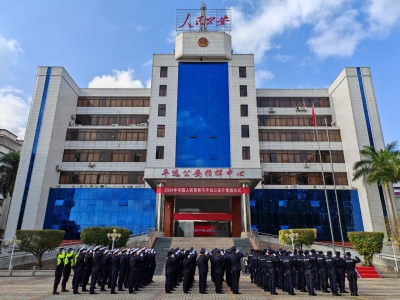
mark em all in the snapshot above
pixel 334 186
pixel 323 179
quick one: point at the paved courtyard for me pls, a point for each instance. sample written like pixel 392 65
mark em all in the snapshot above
pixel 41 288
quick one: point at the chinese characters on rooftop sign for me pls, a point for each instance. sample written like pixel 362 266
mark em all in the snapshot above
pixel 192 20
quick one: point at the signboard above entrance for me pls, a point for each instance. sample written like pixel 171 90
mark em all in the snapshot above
pixel 203 190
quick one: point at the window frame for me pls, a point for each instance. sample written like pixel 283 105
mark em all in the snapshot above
pixel 162 110
pixel 160 130
pixel 162 92
pixel 242 72
pixel 244 110
pixel 163 72
pixel 246 153
pixel 159 152
pixel 243 90
pixel 245 131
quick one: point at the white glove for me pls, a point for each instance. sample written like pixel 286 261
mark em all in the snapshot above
pixel 172 255
pixel 237 250
pixel 206 253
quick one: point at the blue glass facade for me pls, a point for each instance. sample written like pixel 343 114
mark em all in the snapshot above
pixel 202 133
pixel 72 209
pixel 34 148
pixel 273 210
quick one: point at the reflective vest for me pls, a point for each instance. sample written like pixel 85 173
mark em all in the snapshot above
pixel 68 258
pixel 74 259
pixel 60 258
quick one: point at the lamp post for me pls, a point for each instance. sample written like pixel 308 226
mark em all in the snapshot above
pixel 114 236
pixel 392 243
pixel 292 236
pixel 14 242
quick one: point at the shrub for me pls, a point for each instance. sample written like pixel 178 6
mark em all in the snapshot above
pixel 98 236
pixel 306 237
pixel 366 244
pixel 38 242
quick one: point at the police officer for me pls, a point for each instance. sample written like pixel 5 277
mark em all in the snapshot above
pixel 69 257
pixel 288 265
pixel 236 267
pixel 300 272
pixel 308 264
pixel 97 255
pixel 350 264
pixel 218 270
pixel 87 269
pixel 202 264
pixel 79 263
pixel 169 272
pixel 115 269
pixel 105 269
pixel 186 271
pixel 270 263
pixel 133 270
pixel 59 270
pixel 331 265
pixel 341 269
pixel 122 271
pixel 323 273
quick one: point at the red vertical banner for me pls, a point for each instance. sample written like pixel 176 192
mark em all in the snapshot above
pixel 313 119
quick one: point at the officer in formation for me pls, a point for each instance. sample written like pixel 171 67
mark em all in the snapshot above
pixel 180 266
pixel 130 268
pixel 307 271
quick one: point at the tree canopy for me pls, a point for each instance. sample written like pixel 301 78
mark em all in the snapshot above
pixel 8 172
pixel 367 244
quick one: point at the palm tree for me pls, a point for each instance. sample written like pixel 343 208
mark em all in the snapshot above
pixel 383 167
pixel 8 172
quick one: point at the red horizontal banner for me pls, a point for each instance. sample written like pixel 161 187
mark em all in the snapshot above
pixel 203 190
pixel 203 217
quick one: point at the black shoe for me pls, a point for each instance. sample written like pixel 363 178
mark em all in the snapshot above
pixel 292 294
pixel 336 295
pixel 64 291
pixel 238 293
pixel 77 293
pixel 132 292
pixel 85 290
pixel 137 290
pixel 274 293
pixel 93 293
pixel 168 292
pixel 344 292
pixel 56 293
pixel 313 294
pixel 103 290
pixel 113 293
pixel 355 294
pixel 121 290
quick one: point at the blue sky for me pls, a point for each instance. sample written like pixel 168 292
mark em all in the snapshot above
pixel 297 44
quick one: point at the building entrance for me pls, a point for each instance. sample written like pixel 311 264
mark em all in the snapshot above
pixel 200 216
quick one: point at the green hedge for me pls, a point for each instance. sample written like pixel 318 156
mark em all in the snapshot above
pixel 306 237
pixel 366 244
pixel 98 236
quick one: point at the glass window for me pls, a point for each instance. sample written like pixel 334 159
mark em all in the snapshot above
pixel 160 130
pixel 123 202
pixel 244 110
pixel 293 102
pixel 243 91
pixel 113 102
pixel 242 72
pixel 59 203
pixel 282 203
pixel 160 152
pixel 163 91
pixel 314 203
pixel 245 153
pixel 163 71
pixel 245 131
pixel 162 110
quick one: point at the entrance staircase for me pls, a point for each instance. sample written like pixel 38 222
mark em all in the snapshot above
pixel 367 272
pixel 163 245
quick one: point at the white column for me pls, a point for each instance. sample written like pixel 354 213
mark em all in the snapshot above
pixel 245 208
pixel 159 221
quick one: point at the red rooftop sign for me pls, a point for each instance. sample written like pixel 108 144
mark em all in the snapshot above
pixel 193 20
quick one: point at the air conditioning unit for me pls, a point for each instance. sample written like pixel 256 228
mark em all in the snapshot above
pixel 314 187
pixel 81 186
pixel 59 186
pixel 102 186
pixel 271 111
pixel 91 165
pixel 261 159
pixel 333 124
pixel 132 125
pixel 58 168
pixel 344 187
pixel 294 186
pixel 73 117
pixel 72 123
pixel 297 109
pixel 114 124
pixel 304 108
pixel 306 165
pixel 73 186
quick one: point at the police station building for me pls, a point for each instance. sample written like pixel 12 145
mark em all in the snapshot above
pixel 202 152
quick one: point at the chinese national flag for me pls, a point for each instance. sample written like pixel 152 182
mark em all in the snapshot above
pixel 313 120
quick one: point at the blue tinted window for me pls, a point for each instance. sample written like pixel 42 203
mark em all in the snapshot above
pixel 314 203
pixel 282 203
pixel 82 208
pixel 59 203
pixel 284 227
pixel 252 203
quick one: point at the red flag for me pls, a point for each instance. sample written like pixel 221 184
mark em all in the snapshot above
pixel 313 119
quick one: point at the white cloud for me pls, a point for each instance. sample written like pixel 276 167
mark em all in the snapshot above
pixel 119 79
pixel 148 83
pixel 338 37
pixel 148 63
pixel 337 26
pixel 14 110
pixel 139 28
pixel 9 51
pixel 262 76
pixel 283 58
